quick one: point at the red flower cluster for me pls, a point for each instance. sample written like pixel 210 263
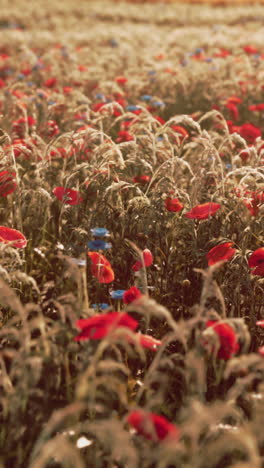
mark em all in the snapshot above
pixel 152 426
pixel 256 262
pixel 252 200
pixel 7 183
pixel 148 260
pixel 13 237
pixel 203 211
pixel 101 268
pixel 256 107
pixel 67 195
pixel 228 343
pixel 101 325
pixel 220 252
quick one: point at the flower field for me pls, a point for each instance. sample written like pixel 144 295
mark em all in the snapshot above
pixel 131 235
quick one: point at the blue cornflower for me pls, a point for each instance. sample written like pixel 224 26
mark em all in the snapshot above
pixel 145 97
pixel 132 107
pixel 99 96
pixel 157 104
pixel 160 138
pixel 100 306
pixel 113 43
pixel 117 294
pixel 50 103
pixel 100 232
pixel 99 244
pixel 152 72
pixel 209 59
pixel 20 76
pixel 229 166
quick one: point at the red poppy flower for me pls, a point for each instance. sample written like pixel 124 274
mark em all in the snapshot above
pixel 181 130
pixel 220 252
pixel 101 268
pixel 261 350
pixel 233 110
pixel 19 125
pixel 256 107
pixel 67 89
pixel 12 236
pixel 173 204
pixel 141 179
pixel 256 262
pixel 24 148
pixel 124 135
pixel 50 82
pixel 104 274
pixel 203 211
pixel 260 323
pixel 121 80
pixel 67 195
pixel 250 49
pixel 128 123
pixel 228 343
pixel 232 128
pixel 101 325
pixel 7 183
pixel 98 106
pixel 131 295
pixel 249 132
pixel 120 100
pixel 51 128
pixel 159 119
pixel 59 152
pixel 26 71
pixel 254 203
pixel 152 426
pixel 82 68
pixel 222 53
pixel 148 260
pixel 98 259
pixel 19 94
pixel 147 341
pixel 244 155
pixel 234 100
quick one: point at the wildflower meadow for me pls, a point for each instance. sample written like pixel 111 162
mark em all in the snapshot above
pixel 131 235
